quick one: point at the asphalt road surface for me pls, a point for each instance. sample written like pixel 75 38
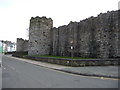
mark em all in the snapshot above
pixel 18 74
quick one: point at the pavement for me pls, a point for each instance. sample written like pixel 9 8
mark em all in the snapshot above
pixel 93 71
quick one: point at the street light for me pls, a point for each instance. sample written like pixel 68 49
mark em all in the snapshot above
pixel 72 52
pixel 71 47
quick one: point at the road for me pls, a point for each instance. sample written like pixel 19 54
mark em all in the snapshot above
pixel 19 74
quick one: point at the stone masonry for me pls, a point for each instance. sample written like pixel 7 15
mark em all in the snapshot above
pixel 40 36
pixel 96 37
pixel 22 45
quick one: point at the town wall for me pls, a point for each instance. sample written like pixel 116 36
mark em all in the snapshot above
pixel 93 37
pixel 22 45
pixel 40 36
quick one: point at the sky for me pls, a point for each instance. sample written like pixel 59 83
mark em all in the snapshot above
pixel 15 14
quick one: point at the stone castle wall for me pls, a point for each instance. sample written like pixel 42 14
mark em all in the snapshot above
pixel 93 37
pixel 22 45
pixel 96 37
pixel 118 34
pixel 40 36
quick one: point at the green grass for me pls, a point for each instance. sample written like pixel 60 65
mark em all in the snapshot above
pixel 62 57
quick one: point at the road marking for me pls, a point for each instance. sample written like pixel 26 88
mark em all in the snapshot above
pixel 104 78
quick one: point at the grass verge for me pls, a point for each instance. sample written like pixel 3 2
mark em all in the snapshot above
pixel 61 57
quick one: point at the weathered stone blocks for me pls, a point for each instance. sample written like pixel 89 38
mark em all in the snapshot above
pixel 40 36
pixel 22 45
pixel 94 37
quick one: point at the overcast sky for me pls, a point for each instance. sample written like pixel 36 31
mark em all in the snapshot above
pixel 15 14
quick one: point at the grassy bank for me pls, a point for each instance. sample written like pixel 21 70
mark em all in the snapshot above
pixel 61 57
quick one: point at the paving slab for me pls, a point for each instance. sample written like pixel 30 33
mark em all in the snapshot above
pixel 101 71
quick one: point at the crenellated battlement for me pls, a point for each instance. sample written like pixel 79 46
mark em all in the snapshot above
pixel 96 37
pixel 41 20
pixel 40 35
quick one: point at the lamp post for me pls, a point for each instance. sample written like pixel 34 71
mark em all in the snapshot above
pixel 71 47
pixel 72 52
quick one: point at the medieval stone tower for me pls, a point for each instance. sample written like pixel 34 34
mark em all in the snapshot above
pixel 94 37
pixel 40 36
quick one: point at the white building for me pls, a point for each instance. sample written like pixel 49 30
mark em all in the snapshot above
pixel 7 46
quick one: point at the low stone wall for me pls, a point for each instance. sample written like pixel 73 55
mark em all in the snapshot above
pixel 20 54
pixel 77 62
pixel 6 53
